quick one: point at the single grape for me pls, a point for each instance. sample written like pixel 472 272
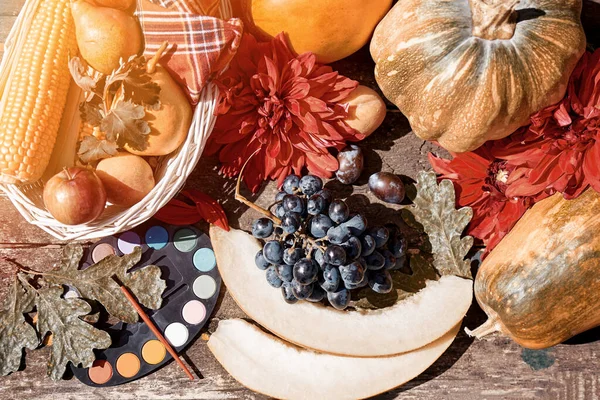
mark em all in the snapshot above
pixel 380 281
pixel 375 261
pixel 285 272
pixel 273 278
pixel 291 184
pixel 352 273
pixel 291 222
pixel 380 234
pixel 338 211
pixel 319 225
pixel 339 299
pixel 351 161
pixel 390 259
pixel 319 257
pixel 387 187
pixel 273 252
pixel 361 284
pixel 293 203
pixel 306 271
pixel 338 234
pixel 316 205
pixel 289 241
pixel 310 184
pixel 357 224
pixel 279 211
pixel 368 245
pixel 330 279
pixel 260 261
pixel 398 245
pixel 317 295
pixel 327 195
pixel 262 228
pixel 353 248
pixel 288 295
pixel 292 255
pixel 301 291
pixel 279 196
pixel 335 255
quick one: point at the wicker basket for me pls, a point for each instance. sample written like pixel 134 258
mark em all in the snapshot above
pixel 170 174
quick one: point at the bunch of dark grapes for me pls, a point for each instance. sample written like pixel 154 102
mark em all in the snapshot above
pixel 320 250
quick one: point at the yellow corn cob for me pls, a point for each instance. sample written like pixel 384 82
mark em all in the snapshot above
pixel 36 92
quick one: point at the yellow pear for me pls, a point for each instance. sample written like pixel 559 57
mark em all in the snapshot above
pixel 105 35
pixel 125 5
pixel 170 124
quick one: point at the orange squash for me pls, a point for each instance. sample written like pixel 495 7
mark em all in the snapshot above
pixel 332 29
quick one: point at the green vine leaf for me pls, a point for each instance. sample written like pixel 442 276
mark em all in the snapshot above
pixel 434 208
pixel 97 283
pixel 73 339
pixel 15 332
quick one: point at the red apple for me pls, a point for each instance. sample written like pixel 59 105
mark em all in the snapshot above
pixel 75 196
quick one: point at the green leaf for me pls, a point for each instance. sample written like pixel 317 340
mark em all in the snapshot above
pixel 96 283
pixel 434 208
pixel 15 332
pixel 73 339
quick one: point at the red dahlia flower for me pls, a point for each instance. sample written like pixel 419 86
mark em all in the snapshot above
pixel 286 108
pixel 560 150
pixel 480 180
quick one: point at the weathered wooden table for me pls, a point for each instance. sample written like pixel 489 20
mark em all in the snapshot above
pixel 493 368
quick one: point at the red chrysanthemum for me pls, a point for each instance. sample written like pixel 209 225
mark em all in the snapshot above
pixel 285 108
pixel 481 180
pixel 560 150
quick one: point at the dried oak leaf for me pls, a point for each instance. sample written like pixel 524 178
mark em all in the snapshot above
pixel 96 282
pixel 92 149
pixel 15 332
pixel 73 340
pixel 434 208
pixel 90 111
pixel 136 81
pixel 80 76
pixel 125 121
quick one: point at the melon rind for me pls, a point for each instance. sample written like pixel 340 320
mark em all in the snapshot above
pixel 268 365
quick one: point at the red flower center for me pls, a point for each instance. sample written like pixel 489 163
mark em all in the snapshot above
pixel 497 177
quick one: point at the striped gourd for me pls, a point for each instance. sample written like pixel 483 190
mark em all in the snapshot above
pixel 35 94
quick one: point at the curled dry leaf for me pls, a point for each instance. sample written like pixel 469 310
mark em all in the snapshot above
pixel 80 76
pixel 92 149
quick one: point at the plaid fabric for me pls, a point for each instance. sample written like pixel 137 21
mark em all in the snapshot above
pixel 200 46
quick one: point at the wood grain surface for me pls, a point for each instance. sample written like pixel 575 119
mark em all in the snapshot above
pixel 493 368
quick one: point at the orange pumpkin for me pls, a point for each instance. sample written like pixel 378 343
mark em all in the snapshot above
pixel 332 29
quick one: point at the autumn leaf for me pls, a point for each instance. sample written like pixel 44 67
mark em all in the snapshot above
pixel 92 149
pixel 73 340
pixel 90 111
pixel 96 282
pixel 125 121
pixel 15 332
pixel 81 78
pixel 434 208
pixel 136 81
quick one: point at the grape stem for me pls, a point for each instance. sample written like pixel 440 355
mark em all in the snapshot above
pixel 247 202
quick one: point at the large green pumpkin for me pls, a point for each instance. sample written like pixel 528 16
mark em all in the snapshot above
pixel 467 71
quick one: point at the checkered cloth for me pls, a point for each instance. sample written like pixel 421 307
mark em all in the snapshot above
pixel 200 45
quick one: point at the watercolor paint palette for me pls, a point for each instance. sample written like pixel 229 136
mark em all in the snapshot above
pixel 188 265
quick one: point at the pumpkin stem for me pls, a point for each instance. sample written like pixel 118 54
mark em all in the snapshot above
pixel 494 19
pixel 490 326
